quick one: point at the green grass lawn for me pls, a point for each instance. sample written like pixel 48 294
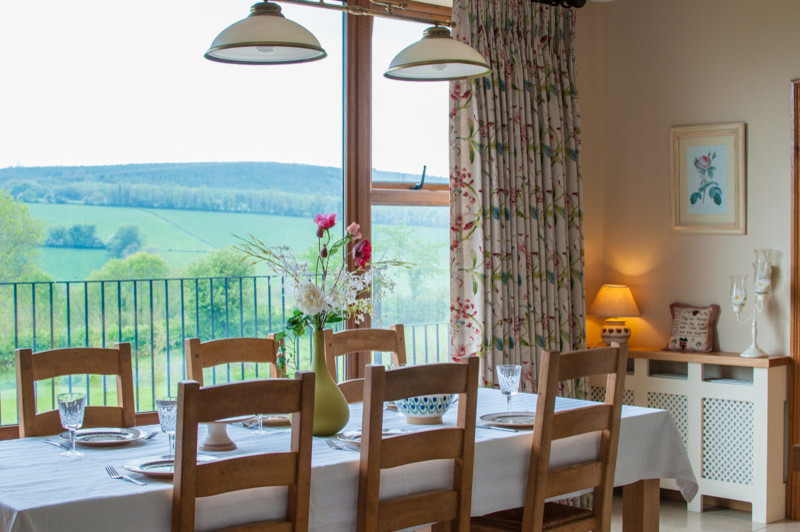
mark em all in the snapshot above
pixel 179 236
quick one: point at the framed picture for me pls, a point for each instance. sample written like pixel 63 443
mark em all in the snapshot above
pixel 708 179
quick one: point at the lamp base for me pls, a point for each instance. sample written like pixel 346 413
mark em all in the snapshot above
pixel 615 331
pixel 753 352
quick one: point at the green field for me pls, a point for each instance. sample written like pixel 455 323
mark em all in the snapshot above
pixel 70 264
pixel 179 236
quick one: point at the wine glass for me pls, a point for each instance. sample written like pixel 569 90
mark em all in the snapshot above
pixel 71 407
pixel 168 417
pixel 508 378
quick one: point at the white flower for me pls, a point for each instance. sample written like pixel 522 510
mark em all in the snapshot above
pixel 309 299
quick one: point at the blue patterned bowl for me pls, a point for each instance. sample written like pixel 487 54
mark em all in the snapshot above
pixel 424 409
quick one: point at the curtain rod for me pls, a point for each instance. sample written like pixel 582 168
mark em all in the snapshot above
pixel 563 3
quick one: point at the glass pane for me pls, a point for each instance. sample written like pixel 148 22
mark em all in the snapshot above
pixel 410 119
pixel 140 159
pixel 421 299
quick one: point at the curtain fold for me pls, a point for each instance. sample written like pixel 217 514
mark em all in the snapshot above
pixel 516 223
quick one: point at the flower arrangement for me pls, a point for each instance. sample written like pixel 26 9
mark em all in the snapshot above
pixel 325 292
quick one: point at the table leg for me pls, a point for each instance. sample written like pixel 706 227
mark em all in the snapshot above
pixel 640 506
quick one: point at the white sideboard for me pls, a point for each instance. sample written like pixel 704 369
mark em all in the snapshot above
pixel 731 414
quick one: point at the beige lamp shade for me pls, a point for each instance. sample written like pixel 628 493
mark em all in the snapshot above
pixel 437 57
pixel 265 37
pixel 614 301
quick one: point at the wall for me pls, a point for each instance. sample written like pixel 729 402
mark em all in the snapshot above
pixel 591 43
pixel 683 62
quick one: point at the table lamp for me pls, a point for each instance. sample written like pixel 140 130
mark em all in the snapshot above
pixel 614 302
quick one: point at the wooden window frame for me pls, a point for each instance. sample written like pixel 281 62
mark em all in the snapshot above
pixel 393 193
pixel 361 192
pixel 793 477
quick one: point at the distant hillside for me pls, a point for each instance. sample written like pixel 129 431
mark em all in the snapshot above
pixel 254 187
pixel 242 175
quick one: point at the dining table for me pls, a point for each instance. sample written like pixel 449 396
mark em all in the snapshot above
pixel 40 490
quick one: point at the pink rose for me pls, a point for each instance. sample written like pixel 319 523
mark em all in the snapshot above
pixel 324 221
pixel 352 230
pixel 362 253
pixel 703 162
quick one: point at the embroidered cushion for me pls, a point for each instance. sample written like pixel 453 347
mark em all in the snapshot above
pixel 692 328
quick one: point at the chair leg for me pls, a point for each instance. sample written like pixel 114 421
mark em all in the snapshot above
pixel 441 527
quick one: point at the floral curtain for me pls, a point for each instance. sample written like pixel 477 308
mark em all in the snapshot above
pixel 516 222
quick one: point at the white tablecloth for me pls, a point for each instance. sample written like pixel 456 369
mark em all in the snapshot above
pixel 42 491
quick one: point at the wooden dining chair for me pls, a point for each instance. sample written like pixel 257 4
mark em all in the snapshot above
pixel 292 469
pixel 33 367
pixel 354 340
pixel 446 507
pixel 212 353
pixel 545 482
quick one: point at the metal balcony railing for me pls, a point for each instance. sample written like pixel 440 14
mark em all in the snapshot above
pixel 155 316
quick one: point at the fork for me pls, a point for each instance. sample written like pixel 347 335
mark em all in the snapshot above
pixel 113 474
pixel 339 447
pixel 494 427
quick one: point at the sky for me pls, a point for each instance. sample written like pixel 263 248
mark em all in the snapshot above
pixel 112 82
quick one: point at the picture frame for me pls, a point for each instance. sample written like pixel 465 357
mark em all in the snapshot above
pixel 708 178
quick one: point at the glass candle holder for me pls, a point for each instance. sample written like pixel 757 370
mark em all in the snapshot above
pixel 738 292
pixel 763 271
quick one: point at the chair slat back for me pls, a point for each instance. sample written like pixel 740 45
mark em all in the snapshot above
pixel 390 340
pixel 212 353
pixel 293 468
pixel 33 367
pixel 450 506
pixel 544 482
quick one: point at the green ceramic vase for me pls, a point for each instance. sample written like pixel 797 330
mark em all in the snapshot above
pixel 330 407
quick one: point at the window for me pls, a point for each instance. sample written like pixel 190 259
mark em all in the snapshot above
pixel 124 123
pixel 410 135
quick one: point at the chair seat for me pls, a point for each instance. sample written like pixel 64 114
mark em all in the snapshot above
pixel 555 515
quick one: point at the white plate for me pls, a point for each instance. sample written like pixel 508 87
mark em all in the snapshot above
pixel 514 420
pixel 159 467
pixel 354 436
pixel 104 436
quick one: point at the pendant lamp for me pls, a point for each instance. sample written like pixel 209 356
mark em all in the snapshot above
pixel 437 57
pixel 265 37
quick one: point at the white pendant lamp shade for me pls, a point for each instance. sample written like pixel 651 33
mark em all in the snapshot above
pixel 265 37
pixel 437 57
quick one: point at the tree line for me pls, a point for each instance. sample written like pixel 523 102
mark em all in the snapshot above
pixel 261 188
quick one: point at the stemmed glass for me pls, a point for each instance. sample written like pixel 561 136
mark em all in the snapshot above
pixel 508 378
pixel 71 407
pixel 168 417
